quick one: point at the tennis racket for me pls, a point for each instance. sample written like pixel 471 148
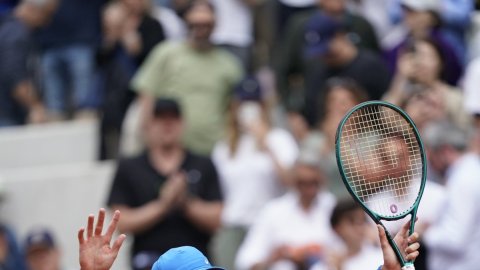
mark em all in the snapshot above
pixel 382 163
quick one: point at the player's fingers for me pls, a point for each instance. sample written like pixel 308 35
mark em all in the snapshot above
pixel 101 218
pixel 81 240
pixel 113 225
pixel 412 248
pixel 413 238
pixel 91 219
pixel 406 227
pixel 412 256
pixel 382 236
pixel 118 243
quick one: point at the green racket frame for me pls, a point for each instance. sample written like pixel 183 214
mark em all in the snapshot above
pixel 376 217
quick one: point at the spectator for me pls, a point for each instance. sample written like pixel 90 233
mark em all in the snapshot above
pixel 19 102
pixel 295 68
pixel 41 250
pixel 168 196
pixel 455 16
pixel 454 249
pixel 419 71
pixel 129 34
pixel 11 258
pixel 330 51
pixel 422 21
pixel 350 224
pixel 291 228
pixel 67 62
pixel 249 161
pixel 340 95
pixel 196 73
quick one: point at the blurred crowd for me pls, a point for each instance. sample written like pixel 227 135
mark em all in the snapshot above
pixel 223 115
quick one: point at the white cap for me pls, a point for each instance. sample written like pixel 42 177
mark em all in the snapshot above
pixel 421 5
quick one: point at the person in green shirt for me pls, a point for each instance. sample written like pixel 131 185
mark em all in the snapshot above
pixel 195 73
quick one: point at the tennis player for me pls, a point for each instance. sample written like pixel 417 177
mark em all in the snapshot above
pixel 97 253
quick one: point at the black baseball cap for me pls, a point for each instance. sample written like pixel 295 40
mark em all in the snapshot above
pixel 166 106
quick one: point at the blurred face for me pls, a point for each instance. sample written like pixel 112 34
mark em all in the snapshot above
pixel 114 19
pixel 248 114
pixel 43 14
pixel 425 107
pixel 419 22
pixel 340 101
pixel 336 46
pixel 44 259
pixel 333 7
pixel 164 131
pixel 427 63
pixel 200 21
pixel 352 228
pixel 307 182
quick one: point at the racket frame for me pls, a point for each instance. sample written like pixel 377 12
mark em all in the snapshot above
pixel 377 217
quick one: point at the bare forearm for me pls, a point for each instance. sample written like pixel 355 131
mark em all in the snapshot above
pixel 137 220
pixel 206 215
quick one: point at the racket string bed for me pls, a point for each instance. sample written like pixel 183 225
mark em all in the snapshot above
pixel 373 151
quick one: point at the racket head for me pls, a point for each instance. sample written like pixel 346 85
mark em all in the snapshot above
pixel 381 159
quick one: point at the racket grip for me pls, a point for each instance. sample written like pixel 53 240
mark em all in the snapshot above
pixel 408 267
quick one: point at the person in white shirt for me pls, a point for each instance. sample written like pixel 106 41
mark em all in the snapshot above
pixel 454 240
pixel 252 163
pixel 291 230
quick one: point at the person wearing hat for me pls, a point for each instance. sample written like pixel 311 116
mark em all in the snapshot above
pixel 253 161
pixel 41 251
pixel 168 196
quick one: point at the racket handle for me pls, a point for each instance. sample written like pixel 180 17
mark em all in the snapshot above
pixel 408 267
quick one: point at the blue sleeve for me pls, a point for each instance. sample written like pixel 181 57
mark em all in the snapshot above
pixel 380 267
pixel 456 13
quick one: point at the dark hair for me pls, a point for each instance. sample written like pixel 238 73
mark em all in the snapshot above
pixel 194 3
pixel 348 84
pixel 440 53
pixel 342 208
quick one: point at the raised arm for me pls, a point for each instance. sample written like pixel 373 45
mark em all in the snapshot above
pixel 95 251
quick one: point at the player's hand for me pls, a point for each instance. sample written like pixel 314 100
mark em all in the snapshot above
pixel 95 250
pixel 408 245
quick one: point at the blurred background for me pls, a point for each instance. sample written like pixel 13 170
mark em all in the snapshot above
pixel 212 124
